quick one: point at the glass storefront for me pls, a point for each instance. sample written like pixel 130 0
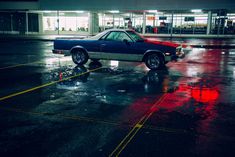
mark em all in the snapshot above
pixel 65 22
pixel 111 20
pixel 137 22
pixel 184 23
pixel 157 22
pixel 222 22
pixel 230 24
pixel 162 23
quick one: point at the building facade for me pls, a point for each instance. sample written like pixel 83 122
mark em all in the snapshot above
pixel 83 17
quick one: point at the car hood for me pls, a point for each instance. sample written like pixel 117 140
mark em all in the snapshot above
pixel 164 43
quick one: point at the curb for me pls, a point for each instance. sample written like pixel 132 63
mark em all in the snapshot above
pixel 6 39
pixel 214 46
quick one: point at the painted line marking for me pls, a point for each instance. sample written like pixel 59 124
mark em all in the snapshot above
pixel 122 145
pixel 59 115
pixel 19 65
pixel 45 85
pixel 94 120
pixel 23 64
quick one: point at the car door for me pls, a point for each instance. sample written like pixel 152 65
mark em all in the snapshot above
pixel 116 46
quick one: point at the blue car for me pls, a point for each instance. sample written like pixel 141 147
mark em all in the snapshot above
pixel 121 45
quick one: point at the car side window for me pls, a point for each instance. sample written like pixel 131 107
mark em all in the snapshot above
pixel 118 36
pixel 112 36
pixel 103 37
pixel 123 36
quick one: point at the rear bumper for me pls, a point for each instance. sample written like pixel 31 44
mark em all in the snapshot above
pixel 62 52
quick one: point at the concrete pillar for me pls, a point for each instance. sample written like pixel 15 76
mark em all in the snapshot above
pixel 40 23
pixel 172 18
pixel 133 18
pixel 209 22
pixel 58 22
pixel 113 21
pixel 119 21
pixel 11 23
pixel 144 23
pixel 93 23
pixel 154 20
pixel 132 21
pixel 103 21
pixel 26 23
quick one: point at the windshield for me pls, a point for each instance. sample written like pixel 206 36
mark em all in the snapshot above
pixel 135 36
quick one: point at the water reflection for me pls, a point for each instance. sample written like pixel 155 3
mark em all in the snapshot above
pixel 95 64
pixel 204 94
pixel 204 90
pixel 156 81
pixel 82 74
pixel 122 80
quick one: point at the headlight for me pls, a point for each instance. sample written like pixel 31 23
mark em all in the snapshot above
pixel 179 52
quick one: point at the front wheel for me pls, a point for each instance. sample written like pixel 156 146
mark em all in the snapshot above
pixel 79 57
pixel 154 62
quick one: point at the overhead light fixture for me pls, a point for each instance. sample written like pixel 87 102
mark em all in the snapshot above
pixel 152 11
pixel 114 11
pixel 79 11
pixel 47 11
pixel 196 10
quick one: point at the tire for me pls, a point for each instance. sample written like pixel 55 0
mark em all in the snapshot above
pixel 79 56
pixel 154 61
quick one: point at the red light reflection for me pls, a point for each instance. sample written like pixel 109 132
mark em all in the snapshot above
pixel 60 76
pixel 204 94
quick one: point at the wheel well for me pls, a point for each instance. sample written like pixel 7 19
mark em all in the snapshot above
pixel 78 49
pixel 159 54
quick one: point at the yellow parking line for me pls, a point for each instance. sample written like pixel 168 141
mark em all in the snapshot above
pixel 92 120
pixel 19 65
pixel 122 145
pixel 45 85
pixel 59 115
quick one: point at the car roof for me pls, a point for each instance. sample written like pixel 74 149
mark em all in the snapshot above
pixel 117 29
pixel 109 30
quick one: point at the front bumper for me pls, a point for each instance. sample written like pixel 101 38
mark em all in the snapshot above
pixel 179 52
pixel 182 51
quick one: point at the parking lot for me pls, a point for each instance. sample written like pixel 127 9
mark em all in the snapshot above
pixel 50 107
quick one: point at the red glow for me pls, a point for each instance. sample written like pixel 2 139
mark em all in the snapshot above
pixel 165 43
pixel 204 94
pixel 61 76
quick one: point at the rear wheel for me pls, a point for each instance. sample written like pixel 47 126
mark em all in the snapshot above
pixel 79 57
pixel 154 61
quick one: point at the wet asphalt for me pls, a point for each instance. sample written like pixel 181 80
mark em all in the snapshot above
pixel 50 107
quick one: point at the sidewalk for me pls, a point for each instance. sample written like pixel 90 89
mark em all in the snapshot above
pixel 198 41
pixel 6 37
